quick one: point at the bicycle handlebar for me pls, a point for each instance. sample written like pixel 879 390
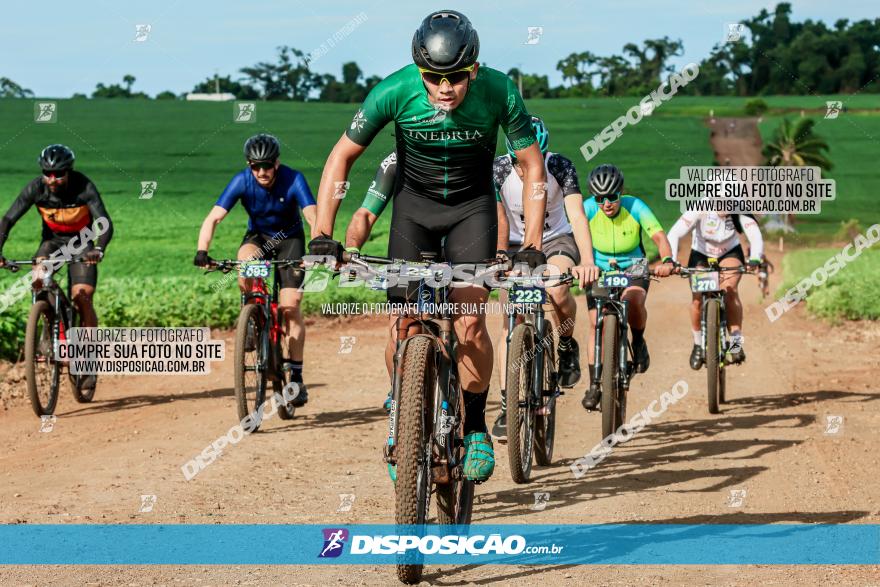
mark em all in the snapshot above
pixel 227 265
pixel 15 266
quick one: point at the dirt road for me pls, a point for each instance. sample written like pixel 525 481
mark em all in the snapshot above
pixel 99 459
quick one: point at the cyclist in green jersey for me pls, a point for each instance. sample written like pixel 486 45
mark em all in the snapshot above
pixel 446 111
pixel 616 225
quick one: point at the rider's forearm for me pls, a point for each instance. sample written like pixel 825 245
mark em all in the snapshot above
pixel 584 243
pixel 206 234
pixel 332 181
pixel 503 228
pixel 534 205
pixel 310 213
pixel 580 227
pixel 662 243
pixel 359 228
pixel 5 227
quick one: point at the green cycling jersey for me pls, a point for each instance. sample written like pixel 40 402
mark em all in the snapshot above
pixel 445 155
pixel 620 237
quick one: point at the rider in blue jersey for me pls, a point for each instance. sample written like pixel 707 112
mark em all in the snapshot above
pixel 273 196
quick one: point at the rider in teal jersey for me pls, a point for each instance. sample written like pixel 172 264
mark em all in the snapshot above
pixel 616 225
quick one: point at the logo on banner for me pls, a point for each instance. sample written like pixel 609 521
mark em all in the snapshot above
pixel 334 540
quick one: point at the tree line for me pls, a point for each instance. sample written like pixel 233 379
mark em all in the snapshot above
pixel 773 56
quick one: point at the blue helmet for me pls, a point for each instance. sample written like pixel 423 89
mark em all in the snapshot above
pixel 540 131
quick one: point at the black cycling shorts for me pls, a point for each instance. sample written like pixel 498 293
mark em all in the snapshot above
pixel 698 259
pixel 77 273
pixel 463 231
pixel 291 248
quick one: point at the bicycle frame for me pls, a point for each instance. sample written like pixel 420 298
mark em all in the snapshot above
pixel 273 335
pixel 440 329
pixel 534 317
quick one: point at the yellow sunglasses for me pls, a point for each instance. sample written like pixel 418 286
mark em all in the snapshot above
pixel 453 77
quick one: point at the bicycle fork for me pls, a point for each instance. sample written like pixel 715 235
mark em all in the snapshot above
pixel 622 328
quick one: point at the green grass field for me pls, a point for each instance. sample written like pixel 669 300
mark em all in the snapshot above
pixel 851 294
pixel 192 149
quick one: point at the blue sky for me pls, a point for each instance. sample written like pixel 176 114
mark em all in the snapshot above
pixel 57 48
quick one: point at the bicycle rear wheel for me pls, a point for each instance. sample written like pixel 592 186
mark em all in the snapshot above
pixel 414 446
pixel 82 396
pixel 42 371
pixel 713 353
pixel 545 424
pixel 520 412
pixel 610 376
pixel 250 363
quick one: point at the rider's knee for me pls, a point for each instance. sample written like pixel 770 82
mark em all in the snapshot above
pixel 82 297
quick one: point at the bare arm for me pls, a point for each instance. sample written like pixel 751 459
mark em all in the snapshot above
pixel 664 269
pixel 310 214
pixel 336 170
pixel 503 228
pixel 534 194
pixel 206 234
pixel 662 243
pixel 359 228
pixel 574 209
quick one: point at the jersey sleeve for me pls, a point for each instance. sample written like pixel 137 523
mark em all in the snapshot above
pixel 22 204
pixel 565 173
pixel 97 210
pixel 753 233
pixel 300 190
pixel 381 190
pixel 377 110
pixel 501 168
pixel 232 193
pixel 645 217
pixel 590 208
pixel 515 119
pixel 682 226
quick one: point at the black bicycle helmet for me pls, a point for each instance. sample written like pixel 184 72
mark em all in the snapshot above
pixel 606 179
pixel 56 158
pixel 262 147
pixel 445 41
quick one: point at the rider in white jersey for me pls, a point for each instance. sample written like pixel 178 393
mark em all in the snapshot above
pixel 565 247
pixel 717 236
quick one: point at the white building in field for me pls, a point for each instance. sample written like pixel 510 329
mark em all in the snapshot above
pixel 211 97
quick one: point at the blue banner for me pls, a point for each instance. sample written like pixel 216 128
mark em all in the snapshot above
pixel 264 544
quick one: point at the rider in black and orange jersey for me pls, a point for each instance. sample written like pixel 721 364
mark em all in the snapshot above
pixel 68 202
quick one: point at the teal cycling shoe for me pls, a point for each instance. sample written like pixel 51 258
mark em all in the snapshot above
pixel 392 472
pixel 479 458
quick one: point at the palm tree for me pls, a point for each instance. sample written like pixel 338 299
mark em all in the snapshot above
pixel 795 144
pixel 128 80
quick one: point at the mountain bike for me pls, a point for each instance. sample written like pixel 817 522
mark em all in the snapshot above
pixel 706 281
pixel 51 317
pixel 613 368
pixel 259 337
pixel 426 423
pixel 532 383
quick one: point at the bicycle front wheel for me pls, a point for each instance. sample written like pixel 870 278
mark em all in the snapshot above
pixel 520 412
pixel 414 446
pixel 250 363
pixel 713 353
pixel 610 376
pixel 545 424
pixel 42 371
